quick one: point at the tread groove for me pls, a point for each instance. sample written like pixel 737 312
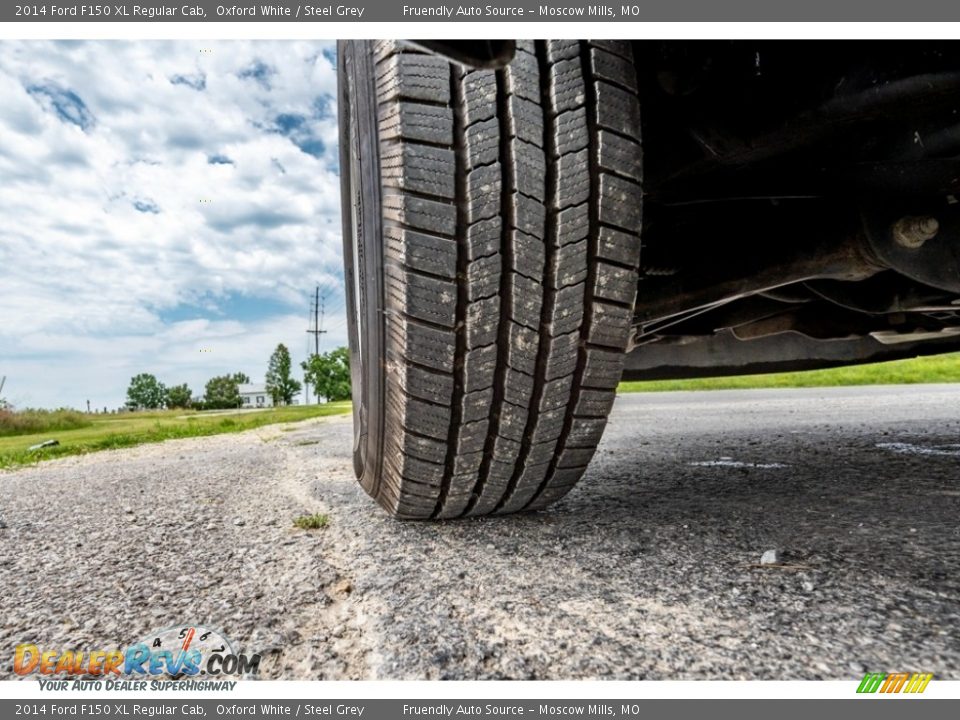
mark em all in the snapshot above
pixel 456 419
pixel 508 221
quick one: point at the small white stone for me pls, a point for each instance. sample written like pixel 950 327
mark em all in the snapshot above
pixel 770 557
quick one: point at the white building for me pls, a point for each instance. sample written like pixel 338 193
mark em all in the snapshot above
pixel 254 395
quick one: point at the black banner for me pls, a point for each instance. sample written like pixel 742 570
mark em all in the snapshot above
pixel 868 709
pixel 579 11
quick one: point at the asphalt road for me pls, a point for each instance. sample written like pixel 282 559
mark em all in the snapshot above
pixel 649 569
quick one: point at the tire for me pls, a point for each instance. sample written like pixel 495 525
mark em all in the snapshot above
pixel 491 242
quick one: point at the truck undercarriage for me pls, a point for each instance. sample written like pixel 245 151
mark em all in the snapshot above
pixel 800 203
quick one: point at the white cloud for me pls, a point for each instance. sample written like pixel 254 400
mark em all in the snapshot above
pixel 142 178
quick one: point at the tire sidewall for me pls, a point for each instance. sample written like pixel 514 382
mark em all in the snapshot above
pixel 362 252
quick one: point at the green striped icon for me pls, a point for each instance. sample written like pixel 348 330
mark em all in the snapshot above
pixel 894 682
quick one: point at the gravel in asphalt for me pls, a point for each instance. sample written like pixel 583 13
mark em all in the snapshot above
pixel 650 569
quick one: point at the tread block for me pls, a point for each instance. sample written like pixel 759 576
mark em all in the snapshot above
pixel 620 202
pixel 523 75
pixel 483 238
pixel 530 214
pixel 478 368
pixel 419 168
pixel 618 246
pixel 569 264
pixel 567 89
pixel 617 109
pixel 420 296
pixel 611 325
pixel 567 314
pixel 602 369
pixel 548 428
pixel 573 224
pixel 525 120
pixel 523 346
pixel 472 437
pixel 623 48
pixel 575 457
pixel 573 180
pixel 483 278
pixel 513 421
pixel 467 464
pixel 482 322
pixel 597 403
pixel 421 343
pixel 620 155
pixel 416 122
pixel 419 213
pixel 606 65
pixel 517 387
pixel 563 356
pixel 483 143
pixel 483 193
pixel 585 432
pixel 525 301
pixel 421 448
pixel 542 452
pixel 528 254
pixel 430 419
pixel 529 170
pixel 571 132
pixel 556 393
pixel 421 251
pixel 615 283
pixel 421 383
pixel 433 451
pixel 480 94
pixel 476 405
pixel 558 50
pixel 413 77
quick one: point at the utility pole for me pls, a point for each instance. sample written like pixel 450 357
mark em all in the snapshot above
pixel 317 330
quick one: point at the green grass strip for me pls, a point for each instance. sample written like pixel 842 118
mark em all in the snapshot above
pixel 111 432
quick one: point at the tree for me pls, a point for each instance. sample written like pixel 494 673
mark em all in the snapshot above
pixel 222 392
pixel 329 374
pixel 178 396
pixel 281 386
pixel 145 392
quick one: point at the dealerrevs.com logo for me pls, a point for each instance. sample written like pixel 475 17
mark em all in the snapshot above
pixel 175 652
pixel 911 683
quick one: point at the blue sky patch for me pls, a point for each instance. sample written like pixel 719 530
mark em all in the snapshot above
pixel 197 82
pixel 146 206
pixel 259 72
pixel 64 103
pixel 236 306
pixel 297 128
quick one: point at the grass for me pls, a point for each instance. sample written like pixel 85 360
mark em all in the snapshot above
pixel 935 369
pixel 27 422
pixel 109 432
pixel 311 522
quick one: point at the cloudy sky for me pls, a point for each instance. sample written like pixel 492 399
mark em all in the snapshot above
pixel 165 207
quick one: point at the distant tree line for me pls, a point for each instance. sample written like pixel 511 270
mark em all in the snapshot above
pixel 148 393
pixel 328 373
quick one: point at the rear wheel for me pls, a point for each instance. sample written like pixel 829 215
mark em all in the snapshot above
pixel 491 239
